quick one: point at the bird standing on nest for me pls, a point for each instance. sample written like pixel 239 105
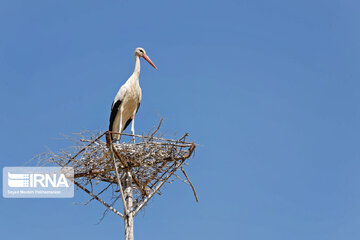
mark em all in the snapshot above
pixel 127 100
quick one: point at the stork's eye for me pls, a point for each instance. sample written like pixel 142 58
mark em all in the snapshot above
pixel 141 51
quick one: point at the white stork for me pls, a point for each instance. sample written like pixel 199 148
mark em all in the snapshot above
pixel 127 100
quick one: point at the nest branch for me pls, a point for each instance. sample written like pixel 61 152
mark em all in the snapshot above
pixel 99 199
pixel 118 178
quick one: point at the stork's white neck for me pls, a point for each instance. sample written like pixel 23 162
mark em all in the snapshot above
pixel 137 65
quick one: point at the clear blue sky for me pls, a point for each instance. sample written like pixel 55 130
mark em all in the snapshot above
pixel 270 89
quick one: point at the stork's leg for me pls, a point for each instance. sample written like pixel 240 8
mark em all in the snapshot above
pixel 120 126
pixel 133 127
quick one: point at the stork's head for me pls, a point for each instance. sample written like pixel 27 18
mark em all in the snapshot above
pixel 141 53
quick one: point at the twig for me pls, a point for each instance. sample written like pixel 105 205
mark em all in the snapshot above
pixel 157 129
pixel 192 186
pixel 100 200
pixel 84 204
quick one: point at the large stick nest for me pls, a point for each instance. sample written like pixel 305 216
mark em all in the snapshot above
pixel 152 160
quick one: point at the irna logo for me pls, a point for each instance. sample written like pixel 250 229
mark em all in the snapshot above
pixel 38 182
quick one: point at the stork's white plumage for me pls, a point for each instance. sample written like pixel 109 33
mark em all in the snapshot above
pixel 127 100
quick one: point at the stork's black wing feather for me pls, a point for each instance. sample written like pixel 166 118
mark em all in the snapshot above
pixel 127 123
pixel 138 108
pixel 114 110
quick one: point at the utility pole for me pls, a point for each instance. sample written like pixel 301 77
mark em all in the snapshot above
pixel 129 216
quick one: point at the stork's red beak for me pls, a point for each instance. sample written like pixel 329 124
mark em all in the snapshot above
pixel 149 60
